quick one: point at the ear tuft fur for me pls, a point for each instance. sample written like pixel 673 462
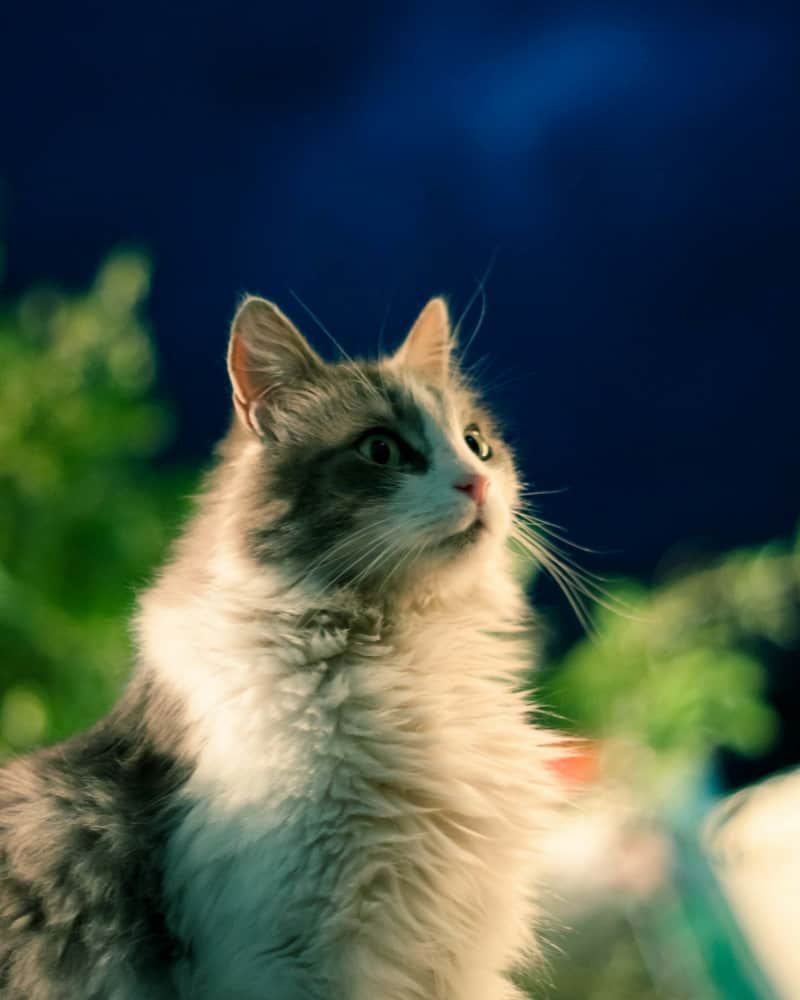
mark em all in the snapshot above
pixel 428 347
pixel 266 352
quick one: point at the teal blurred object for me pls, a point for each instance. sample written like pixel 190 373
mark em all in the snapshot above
pixel 642 908
pixel 703 913
pixel 658 692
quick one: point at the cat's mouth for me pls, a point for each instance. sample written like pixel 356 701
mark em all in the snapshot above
pixel 466 537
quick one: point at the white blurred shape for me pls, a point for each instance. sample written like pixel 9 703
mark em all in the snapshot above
pixel 754 843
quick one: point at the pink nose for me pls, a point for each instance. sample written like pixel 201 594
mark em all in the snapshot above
pixel 475 486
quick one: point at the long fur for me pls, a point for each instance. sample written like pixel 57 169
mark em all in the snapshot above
pixel 318 785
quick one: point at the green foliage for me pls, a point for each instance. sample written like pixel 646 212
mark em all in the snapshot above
pixel 85 514
pixel 684 674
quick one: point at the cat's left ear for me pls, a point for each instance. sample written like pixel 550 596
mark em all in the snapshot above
pixel 428 347
pixel 267 356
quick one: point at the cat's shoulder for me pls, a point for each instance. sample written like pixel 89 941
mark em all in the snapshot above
pixel 81 834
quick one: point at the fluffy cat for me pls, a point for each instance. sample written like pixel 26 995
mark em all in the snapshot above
pixel 321 783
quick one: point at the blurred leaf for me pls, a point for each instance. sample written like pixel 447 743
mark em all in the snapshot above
pixel 85 515
pixel 685 674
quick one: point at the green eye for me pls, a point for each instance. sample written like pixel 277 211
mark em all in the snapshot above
pixel 477 442
pixel 381 449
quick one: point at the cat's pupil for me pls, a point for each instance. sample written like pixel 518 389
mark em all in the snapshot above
pixel 379 451
pixel 473 444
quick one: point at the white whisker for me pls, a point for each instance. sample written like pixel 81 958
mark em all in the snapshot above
pixel 578 584
pixel 480 290
pixel 321 325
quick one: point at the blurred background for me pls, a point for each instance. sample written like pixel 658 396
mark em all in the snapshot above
pixel 608 194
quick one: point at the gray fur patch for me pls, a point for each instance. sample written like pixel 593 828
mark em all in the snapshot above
pixel 82 829
pixel 326 489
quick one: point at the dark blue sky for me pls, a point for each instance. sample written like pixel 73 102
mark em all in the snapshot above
pixel 636 167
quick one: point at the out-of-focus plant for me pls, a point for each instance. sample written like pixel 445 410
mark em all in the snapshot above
pixel 84 514
pixel 684 674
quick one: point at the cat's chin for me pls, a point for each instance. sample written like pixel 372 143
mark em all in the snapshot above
pixel 465 538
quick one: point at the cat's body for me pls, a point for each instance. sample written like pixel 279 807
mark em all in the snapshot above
pixel 321 783
pixel 83 829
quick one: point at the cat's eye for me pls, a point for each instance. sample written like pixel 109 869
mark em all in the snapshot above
pixel 382 449
pixel 477 442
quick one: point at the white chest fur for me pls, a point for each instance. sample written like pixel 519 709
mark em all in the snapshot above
pixel 363 815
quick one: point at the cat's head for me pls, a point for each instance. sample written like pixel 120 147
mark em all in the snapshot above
pixel 364 475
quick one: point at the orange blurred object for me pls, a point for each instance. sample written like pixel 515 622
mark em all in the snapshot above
pixel 579 766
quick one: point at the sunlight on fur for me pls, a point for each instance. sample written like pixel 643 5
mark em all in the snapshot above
pixel 322 780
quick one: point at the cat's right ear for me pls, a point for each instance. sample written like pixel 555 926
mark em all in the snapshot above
pixel 266 354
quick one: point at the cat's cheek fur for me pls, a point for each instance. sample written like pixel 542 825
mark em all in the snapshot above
pixel 430 508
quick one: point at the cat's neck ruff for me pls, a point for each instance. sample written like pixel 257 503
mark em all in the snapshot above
pixel 245 618
pixel 293 708
pixel 239 648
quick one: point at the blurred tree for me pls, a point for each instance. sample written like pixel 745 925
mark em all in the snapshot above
pixel 684 674
pixel 85 513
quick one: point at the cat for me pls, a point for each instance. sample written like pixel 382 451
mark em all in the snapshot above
pixel 321 782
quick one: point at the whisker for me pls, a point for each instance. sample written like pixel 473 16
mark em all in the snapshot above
pixel 501 382
pixel 576 582
pixel 384 321
pixel 540 493
pixel 574 597
pixel 575 600
pixel 478 325
pixel 407 561
pixel 480 290
pixel 384 554
pixel 355 368
pixel 568 565
pixel 589 579
pixel 321 325
pixel 472 372
pixel 552 531
pixel 338 548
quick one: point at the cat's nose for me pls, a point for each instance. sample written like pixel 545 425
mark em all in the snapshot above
pixel 475 486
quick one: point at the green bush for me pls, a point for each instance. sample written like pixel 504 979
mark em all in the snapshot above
pixel 684 673
pixel 84 514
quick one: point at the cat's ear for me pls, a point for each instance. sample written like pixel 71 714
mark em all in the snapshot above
pixel 266 354
pixel 429 345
